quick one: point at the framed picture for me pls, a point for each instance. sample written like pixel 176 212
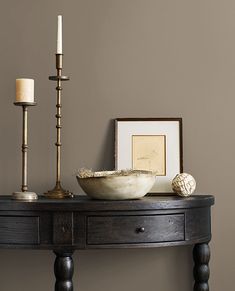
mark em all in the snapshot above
pixel 154 144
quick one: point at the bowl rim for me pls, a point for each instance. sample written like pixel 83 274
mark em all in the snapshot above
pixel 117 173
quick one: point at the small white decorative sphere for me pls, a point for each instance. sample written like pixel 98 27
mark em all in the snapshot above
pixel 184 184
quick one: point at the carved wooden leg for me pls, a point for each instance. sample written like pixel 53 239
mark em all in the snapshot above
pixel 63 269
pixel 201 256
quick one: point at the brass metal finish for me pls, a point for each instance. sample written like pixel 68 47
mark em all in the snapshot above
pixel 58 192
pixel 24 195
pixel 28 196
pixel 59 62
pixel 55 78
pixel 25 103
pixel 25 149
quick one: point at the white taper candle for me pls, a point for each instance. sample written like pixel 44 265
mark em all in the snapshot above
pixel 59 35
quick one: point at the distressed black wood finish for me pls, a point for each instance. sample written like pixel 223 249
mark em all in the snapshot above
pixel 201 271
pixel 135 229
pixel 63 269
pixel 80 223
pixel 19 229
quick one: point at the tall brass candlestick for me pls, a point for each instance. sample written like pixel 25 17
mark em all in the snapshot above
pixel 24 194
pixel 58 192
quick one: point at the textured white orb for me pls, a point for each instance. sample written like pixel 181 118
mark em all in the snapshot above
pixel 184 184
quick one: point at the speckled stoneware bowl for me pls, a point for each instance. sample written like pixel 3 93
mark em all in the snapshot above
pixel 117 185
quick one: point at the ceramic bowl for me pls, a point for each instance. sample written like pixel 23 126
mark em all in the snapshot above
pixel 113 185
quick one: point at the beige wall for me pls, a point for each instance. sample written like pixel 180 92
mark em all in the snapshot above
pixel 126 58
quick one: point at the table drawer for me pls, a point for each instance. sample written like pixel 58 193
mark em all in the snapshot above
pixel 19 230
pixel 134 229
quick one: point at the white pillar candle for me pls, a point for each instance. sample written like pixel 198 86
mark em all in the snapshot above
pixel 59 35
pixel 24 90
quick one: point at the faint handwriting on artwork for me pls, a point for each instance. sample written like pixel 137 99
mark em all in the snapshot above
pixel 149 153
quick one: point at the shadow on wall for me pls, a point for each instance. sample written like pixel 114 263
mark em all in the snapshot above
pixel 106 158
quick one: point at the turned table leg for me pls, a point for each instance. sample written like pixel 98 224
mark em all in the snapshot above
pixel 63 269
pixel 201 256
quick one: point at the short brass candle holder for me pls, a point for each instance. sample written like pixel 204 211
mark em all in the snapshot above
pixel 24 194
pixel 58 192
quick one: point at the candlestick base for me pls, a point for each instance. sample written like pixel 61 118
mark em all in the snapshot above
pixel 58 193
pixel 26 196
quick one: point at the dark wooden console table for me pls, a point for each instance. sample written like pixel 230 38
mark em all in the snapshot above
pixel 81 223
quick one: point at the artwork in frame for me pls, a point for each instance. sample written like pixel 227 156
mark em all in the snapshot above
pixel 154 144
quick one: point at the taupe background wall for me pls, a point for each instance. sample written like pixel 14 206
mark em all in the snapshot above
pixel 126 58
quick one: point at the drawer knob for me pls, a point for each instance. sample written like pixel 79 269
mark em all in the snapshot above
pixel 140 229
